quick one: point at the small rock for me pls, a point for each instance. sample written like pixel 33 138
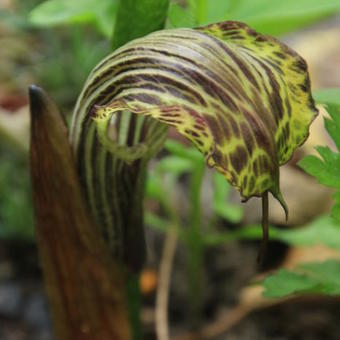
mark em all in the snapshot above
pixel 35 312
pixel 11 297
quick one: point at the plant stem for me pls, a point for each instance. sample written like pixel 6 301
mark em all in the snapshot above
pixel 265 227
pixel 133 298
pixel 162 298
pixel 200 11
pixel 195 242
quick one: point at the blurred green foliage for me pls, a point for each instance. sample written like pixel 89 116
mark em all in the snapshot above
pixel 307 278
pixel 322 277
pixel 274 17
pixel 182 161
pixel 59 56
pixel 100 14
pixel 16 220
pixel 66 58
pixel 326 168
pixel 323 230
pixel 329 96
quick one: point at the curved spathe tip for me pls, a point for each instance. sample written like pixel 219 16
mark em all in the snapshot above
pixel 282 202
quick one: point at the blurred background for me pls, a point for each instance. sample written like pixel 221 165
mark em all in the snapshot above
pixel 216 285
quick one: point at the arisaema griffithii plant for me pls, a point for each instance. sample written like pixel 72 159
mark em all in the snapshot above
pixel 242 98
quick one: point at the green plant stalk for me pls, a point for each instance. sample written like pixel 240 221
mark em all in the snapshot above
pixel 200 11
pixel 134 301
pixel 265 227
pixel 195 243
pixel 136 18
pixel 191 236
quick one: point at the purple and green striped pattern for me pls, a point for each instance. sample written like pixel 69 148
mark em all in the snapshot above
pixel 242 98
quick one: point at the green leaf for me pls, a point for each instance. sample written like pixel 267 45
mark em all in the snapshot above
pixel 228 211
pixel 320 277
pixel 175 165
pixel 172 166
pixel 336 207
pixel 266 16
pixel 180 16
pixel 324 230
pixel 183 151
pixel 151 14
pixel 279 17
pixel 156 222
pixel 221 207
pixel 333 125
pixel 326 273
pixel 217 9
pixel 15 196
pixel 285 283
pixel 59 12
pixel 188 16
pixel 153 188
pixel 331 97
pixel 326 170
pixel 327 96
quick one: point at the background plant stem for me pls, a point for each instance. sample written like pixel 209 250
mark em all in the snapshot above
pixel 201 11
pixel 194 241
pixel 136 18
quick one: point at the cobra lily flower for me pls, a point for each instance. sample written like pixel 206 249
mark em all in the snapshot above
pixel 241 97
